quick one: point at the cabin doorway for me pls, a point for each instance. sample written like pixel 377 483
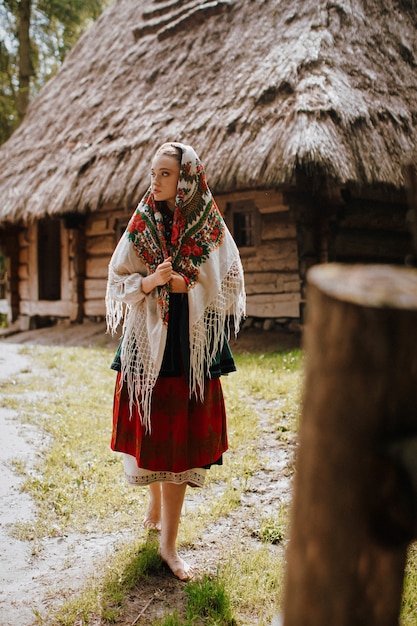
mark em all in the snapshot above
pixel 4 304
pixel 49 259
pixel 9 279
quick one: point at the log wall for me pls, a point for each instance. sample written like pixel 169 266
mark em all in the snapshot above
pixel 295 231
pixel 102 233
pixel 348 225
pixel 370 231
pixel 28 280
pixel 271 268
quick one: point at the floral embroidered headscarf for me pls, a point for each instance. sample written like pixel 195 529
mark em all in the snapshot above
pixel 198 226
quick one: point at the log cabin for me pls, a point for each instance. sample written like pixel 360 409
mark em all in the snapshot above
pixel 303 112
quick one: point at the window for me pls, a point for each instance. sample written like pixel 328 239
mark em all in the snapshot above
pixel 244 218
pixel 244 229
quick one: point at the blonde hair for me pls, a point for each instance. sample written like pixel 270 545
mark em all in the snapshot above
pixel 170 150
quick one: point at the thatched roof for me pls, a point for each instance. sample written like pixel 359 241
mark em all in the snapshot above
pixel 258 87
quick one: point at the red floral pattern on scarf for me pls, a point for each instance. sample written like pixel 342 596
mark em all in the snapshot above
pixel 194 236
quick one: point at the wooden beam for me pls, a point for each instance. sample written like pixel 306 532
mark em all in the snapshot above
pixel 273 305
pixel 47 308
pixel 353 510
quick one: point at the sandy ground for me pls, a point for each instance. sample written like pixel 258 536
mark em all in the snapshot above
pixel 15 506
pixel 35 577
pixel 32 576
pixel 94 334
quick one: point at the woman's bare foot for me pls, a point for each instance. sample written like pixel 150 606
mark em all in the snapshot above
pixel 151 525
pixel 180 568
pixel 152 519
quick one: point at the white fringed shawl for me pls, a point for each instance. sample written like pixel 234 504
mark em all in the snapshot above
pixel 204 252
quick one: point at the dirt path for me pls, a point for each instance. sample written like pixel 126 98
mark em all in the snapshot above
pixel 14 505
pixel 33 576
pixel 36 577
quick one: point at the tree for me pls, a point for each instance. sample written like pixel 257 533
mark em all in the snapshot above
pixel 35 37
pixel 26 69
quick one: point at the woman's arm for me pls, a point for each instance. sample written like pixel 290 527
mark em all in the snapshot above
pixel 161 276
pixel 129 281
pixel 126 273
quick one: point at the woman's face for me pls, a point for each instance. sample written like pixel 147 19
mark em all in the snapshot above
pixel 164 179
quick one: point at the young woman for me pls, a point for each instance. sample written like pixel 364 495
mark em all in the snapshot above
pixel 177 280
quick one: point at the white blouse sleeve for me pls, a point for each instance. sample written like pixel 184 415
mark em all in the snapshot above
pixel 126 272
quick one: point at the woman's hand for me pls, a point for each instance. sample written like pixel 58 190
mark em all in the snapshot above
pixel 177 283
pixel 161 276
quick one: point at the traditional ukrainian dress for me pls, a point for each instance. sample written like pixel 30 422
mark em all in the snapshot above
pixel 169 417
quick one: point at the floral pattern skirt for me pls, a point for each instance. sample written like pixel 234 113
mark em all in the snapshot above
pixel 186 434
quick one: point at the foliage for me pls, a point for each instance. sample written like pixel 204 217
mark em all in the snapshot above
pixel 208 598
pixel 409 600
pixel 55 26
pixel 8 77
pixel 274 530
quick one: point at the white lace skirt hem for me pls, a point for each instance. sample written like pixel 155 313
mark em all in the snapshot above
pixel 138 476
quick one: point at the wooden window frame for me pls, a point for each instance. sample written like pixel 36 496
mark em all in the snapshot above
pixel 247 209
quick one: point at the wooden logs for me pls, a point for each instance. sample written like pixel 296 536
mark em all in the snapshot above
pixel 354 507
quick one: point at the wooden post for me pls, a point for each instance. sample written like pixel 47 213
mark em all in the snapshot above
pixel 354 508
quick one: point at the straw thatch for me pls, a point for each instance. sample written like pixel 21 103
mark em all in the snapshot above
pixel 259 87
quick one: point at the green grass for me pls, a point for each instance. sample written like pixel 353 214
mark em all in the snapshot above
pixel 207 602
pixel 78 482
pixel 170 620
pixel 409 602
pixel 254 583
pixel 131 567
pixel 208 599
pixel 104 595
pixel 274 529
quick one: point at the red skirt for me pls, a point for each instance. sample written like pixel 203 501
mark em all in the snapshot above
pixel 185 432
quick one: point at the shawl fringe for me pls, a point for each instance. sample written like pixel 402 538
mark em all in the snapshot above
pixel 140 371
pixel 207 334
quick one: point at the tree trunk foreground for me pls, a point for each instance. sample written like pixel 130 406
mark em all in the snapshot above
pixel 354 506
